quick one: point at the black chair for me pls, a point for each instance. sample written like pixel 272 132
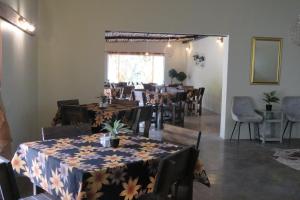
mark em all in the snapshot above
pixel 8 185
pixel 127 92
pixel 139 95
pixel 198 102
pixel 143 114
pixel 71 102
pixel 74 115
pixel 174 170
pixel 57 132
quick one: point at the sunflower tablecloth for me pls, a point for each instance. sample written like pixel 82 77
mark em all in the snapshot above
pixel 80 168
pixel 98 115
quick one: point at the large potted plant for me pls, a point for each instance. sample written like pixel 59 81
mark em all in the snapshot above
pixel 172 74
pixel 181 76
pixel 269 98
pixel 114 129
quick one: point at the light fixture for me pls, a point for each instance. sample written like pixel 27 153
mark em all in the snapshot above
pixel 188 48
pixel 169 44
pixel 295 32
pixel 25 25
pixel 13 17
pixel 220 40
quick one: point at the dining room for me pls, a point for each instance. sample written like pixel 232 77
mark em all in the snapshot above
pixel 149 100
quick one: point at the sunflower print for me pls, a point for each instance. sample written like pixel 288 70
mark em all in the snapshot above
pixel 130 189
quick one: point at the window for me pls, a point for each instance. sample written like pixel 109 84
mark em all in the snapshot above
pixel 135 68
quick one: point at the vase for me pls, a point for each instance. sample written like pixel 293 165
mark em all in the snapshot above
pixel 114 142
pixel 268 107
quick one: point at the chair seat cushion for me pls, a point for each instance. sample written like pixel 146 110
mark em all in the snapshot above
pixel 42 196
pixel 293 118
pixel 248 118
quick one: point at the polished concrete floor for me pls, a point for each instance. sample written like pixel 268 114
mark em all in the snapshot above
pixel 242 171
pixel 238 171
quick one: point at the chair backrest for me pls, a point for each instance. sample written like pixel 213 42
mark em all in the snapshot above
pixel 181 136
pixel 142 114
pixel 57 132
pixel 199 94
pixel 127 91
pixel 291 105
pixel 67 102
pixel 8 185
pixel 74 115
pixel 148 87
pixel 139 95
pixel 173 169
pixel 242 105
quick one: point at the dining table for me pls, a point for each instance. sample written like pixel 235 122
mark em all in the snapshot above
pixel 81 168
pixel 98 115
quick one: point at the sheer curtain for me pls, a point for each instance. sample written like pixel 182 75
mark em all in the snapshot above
pixel 135 68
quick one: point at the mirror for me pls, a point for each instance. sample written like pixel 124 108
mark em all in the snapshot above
pixel 266 60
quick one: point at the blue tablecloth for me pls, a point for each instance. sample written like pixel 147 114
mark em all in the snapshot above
pixel 80 168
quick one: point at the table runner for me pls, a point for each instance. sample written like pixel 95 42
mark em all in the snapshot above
pixel 80 168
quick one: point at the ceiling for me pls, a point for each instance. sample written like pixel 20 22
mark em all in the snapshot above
pixel 117 36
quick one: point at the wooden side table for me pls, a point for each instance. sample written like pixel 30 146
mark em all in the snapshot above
pixel 271 127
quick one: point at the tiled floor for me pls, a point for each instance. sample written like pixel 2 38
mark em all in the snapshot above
pixel 239 171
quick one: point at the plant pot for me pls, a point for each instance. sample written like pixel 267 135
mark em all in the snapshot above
pixel 114 142
pixel 268 107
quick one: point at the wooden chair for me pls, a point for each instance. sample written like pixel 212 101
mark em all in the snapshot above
pixel 181 136
pixel 8 185
pixel 74 115
pixel 198 102
pixel 178 109
pixel 127 92
pixel 143 114
pixel 57 132
pixel 70 102
pixel 173 170
pixel 139 95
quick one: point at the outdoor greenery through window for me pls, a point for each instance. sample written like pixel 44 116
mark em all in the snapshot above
pixel 135 68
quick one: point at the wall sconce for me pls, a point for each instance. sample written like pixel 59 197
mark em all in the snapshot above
pixel 220 40
pixel 13 17
pixel 188 48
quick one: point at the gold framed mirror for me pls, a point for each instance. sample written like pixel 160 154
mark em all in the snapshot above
pixel 266 55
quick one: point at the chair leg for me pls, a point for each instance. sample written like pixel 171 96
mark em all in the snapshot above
pixel 286 125
pixel 233 131
pixel 239 131
pixel 291 128
pixel 249 131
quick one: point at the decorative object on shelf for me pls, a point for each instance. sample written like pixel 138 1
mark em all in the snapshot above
pixel 13 17
pixel 199 59
pixel 266 60
pixel 270 98
pixel 172 74
pixel 181 76
pixel 295 31
pixel 114 129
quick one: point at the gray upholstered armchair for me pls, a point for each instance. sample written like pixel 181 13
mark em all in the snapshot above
pixel 243 111
pixel 291 110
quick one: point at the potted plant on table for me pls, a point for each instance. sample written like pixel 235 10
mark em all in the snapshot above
pixel 114 129
pixel 181 76
pixel 270 98
pixel 172 74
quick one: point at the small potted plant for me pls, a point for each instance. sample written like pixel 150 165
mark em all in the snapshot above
pixel 181 76
pixel 172 74
pixel 114 129
pixel 270 98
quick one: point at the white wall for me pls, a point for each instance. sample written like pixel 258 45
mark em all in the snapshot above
pixel 71 42
pixel 19 84
pixel 209 75
pixel 175 57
